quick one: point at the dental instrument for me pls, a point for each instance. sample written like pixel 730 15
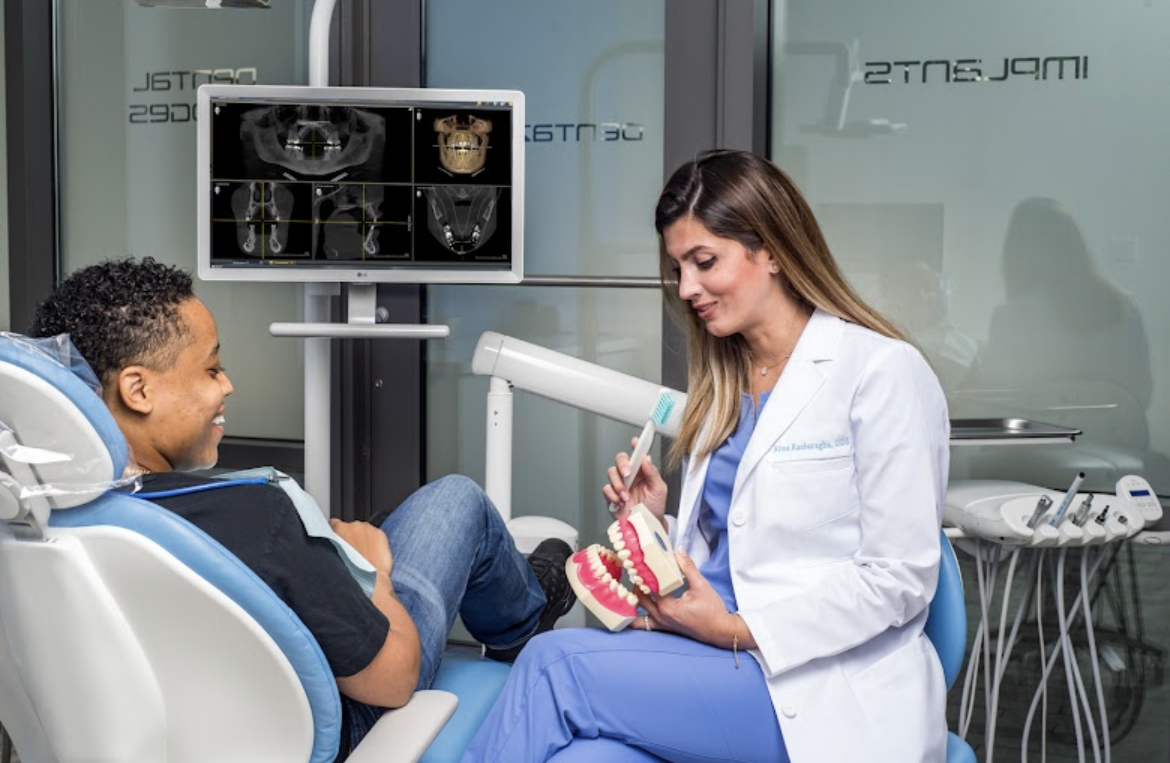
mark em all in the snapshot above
pixel 1058 517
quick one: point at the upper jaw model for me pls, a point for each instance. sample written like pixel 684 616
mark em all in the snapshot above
pixel 643 550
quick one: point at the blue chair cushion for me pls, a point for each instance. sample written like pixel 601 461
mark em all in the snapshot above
pixel 477 682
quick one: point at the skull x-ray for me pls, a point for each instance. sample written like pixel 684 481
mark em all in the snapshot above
pixel 463 143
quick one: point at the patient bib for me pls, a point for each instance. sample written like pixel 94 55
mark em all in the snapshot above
pixel 314 522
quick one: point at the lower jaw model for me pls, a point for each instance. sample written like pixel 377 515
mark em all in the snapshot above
pixel 643 550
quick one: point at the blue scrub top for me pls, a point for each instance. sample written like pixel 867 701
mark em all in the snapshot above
pixel 716 498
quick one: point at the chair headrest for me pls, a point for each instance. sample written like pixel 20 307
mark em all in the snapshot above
pixel 57 438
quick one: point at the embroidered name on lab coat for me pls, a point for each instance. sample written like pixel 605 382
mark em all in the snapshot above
pixel 819 446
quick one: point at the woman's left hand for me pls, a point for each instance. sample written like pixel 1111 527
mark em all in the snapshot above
pixel 699 613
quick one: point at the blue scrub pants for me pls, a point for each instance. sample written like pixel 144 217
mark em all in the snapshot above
pixel 584 694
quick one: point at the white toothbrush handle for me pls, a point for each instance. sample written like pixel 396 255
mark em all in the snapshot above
pixel 641 448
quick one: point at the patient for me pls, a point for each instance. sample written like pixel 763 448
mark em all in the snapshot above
pixel 444 551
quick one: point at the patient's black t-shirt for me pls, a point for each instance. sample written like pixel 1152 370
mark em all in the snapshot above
pixel 259 524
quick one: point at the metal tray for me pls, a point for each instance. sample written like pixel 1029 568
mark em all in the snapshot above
pixel 1009 429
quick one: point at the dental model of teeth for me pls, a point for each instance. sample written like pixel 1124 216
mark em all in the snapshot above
pixel 642 550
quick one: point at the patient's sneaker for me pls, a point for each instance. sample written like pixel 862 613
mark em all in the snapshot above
pixel 548 564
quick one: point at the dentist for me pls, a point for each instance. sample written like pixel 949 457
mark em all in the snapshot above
pixel 815 458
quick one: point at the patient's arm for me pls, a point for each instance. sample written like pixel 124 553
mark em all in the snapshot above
pixel 390 678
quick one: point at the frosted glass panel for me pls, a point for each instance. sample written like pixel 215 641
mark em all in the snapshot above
pixel 4 299
pixel 994 176
pixel 593 82
pixel 127 79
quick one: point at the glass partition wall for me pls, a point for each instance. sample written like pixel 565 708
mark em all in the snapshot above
pixel 592 74
pixel 126 109
pixel 993 176
pixel 5 324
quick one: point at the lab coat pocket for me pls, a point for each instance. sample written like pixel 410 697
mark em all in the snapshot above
pixel 812 493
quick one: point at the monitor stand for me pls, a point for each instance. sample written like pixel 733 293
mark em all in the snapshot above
pixel 317 330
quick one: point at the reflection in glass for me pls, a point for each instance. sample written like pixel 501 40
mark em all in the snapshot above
pixel 1067 347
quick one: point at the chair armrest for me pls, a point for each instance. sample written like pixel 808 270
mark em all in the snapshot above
pixel 403 735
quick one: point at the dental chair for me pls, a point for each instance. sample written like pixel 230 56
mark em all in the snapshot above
pixel 127 634
pixel 946 627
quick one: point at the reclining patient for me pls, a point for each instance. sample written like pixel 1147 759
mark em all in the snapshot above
pixel 444 551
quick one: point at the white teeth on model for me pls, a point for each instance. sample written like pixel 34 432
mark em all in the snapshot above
pixel 645 588
pixel 636 579
pixel 624 553
pixel 628 563
pixel 632 599
pixel 620 545
pixel 613 584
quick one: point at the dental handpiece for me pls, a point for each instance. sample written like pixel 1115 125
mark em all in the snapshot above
pixel 641 448
pixel 1081 515
pixel 1058 517
pixel 1042 507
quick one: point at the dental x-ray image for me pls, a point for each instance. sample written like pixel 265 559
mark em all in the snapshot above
pixel 354 222
pixel 466 147
pixel 461 217
pixel 261 219
pixel 329 143
pixel 326 185
pixel 463 222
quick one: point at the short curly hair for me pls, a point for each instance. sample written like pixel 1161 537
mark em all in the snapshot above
pixel 120 313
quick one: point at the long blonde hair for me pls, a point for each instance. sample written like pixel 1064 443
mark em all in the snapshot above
pixel 740 196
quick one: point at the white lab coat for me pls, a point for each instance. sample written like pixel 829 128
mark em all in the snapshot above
pixel 834 551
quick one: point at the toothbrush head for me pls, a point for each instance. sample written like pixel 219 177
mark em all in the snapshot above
pixel 662 409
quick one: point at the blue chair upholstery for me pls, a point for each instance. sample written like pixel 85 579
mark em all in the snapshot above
pixel 477 682
pixel 946 627
pixel 182 540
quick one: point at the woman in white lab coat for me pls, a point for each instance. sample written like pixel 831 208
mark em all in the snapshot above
pixel 815 456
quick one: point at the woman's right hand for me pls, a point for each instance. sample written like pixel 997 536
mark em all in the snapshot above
pixel 648 487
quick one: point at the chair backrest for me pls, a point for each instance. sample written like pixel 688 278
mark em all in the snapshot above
pixel 126 633
pixel 946 623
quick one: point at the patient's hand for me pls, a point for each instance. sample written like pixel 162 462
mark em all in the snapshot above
pixel 367 540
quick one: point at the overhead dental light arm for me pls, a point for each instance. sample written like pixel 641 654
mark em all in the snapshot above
pixel 574 382
pixel 565 379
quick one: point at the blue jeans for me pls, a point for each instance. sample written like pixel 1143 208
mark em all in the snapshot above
pixel 454 555
pixel 583 694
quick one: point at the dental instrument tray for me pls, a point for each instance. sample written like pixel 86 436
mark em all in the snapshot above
pixel 976 431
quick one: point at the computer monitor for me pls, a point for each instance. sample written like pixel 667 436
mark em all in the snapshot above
pixel 360 185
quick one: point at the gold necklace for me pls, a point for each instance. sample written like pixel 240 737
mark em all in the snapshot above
pixel 765 369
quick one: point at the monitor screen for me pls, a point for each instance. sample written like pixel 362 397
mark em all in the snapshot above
pixel 360 184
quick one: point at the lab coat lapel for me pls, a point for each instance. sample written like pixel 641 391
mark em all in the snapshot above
pixel 798 384
pixel 688 505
